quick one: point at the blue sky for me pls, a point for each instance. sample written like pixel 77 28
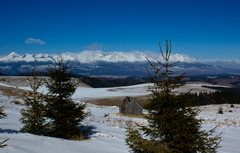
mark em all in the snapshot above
pixel 203 29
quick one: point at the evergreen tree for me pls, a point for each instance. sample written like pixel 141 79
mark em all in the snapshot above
pixel 173 126
pixel 2 114
pixel 65 115
pixel 33 117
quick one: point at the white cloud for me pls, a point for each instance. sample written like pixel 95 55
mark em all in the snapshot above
pixel 94 46
pixel 34 41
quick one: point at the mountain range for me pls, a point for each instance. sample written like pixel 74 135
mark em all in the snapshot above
pixel 99 63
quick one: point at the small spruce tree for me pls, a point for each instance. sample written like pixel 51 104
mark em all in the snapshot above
pixel 33 117
pixel 173 126
pixel 2 114
pixel 65 115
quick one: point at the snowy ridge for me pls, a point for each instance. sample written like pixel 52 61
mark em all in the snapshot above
pixel 233 64
pixel 90 56
pixel 89 62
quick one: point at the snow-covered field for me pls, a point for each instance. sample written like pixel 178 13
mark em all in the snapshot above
pixel 109 132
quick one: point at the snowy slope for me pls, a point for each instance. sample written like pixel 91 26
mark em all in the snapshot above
pixel 109 131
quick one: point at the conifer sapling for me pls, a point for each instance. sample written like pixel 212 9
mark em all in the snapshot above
pixel 33 118
pixel 173 126
pixel 2 114
pixel 65 115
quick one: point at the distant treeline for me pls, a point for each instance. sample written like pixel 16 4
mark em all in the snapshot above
pixel 2 74
pixel 100 82
pixel 31 74
pixel 236 90
pixel 97 82
pixel 217 97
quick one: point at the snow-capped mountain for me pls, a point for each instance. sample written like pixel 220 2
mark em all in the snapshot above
pixel 97 63
pixel 89 56
pixel 231 64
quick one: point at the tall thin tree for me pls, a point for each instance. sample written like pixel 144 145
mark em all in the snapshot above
pixel 33 117
pixel 65 115
pixel 173 126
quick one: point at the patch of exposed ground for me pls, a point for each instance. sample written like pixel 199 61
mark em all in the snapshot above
pixel 10 91
pixel 24 81
pixel 15 80
pixel 113 101
pixel 195 88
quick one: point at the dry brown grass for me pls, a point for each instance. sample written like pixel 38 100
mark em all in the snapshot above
pixel 113 101
pixel 24 81
pixel 16 80
pixel 78 138
pixel 10 91
pixel 132 116
pixel 116 89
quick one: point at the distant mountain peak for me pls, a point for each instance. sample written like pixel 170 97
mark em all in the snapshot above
pixel 10 57
pixel 13 54
pixel 95 56
pixel 89 62
pixel 90 56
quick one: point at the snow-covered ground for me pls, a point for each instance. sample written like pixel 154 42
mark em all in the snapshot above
pixel 109 132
